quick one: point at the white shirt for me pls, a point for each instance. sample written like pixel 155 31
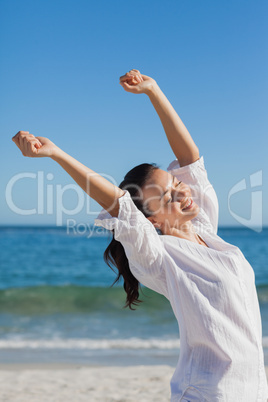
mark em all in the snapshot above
pixel 212 293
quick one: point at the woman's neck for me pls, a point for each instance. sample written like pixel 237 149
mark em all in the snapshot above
pixel 185 231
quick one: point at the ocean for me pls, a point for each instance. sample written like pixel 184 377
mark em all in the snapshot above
pixel 57 303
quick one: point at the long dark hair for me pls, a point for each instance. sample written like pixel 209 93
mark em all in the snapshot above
pixel 114 254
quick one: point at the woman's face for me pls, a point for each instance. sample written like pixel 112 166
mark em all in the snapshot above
pixel 169 200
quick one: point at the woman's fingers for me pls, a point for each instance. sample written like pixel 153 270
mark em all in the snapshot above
pixel 130 74
pixel 17 136
pixel 27 143
pixel 24 134
pixel 137 78
pixel 133 71
pixel 24 145
pixel 20 133
pixel 129 88
pixel 35 142
pixel 31 149
pixel 33 146
pixel 127 77
pixel 132 79
pixel 30 146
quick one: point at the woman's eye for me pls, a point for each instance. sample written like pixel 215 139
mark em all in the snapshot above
pixel 176 185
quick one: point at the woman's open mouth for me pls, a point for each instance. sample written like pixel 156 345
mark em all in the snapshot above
pixel 188 205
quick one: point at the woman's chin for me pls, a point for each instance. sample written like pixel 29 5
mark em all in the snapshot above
pixel 193 214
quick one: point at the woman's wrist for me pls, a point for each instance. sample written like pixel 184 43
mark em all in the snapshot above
pixel 153 91
pixel 57 154
pixel 150 87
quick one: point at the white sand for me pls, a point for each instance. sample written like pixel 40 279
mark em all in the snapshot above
pixel 63 383
pixel 75 384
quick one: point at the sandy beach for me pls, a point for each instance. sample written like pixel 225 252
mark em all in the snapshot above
pixel 63 383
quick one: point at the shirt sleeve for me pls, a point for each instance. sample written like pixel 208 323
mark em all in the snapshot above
pixel 203 193
pixel 138 236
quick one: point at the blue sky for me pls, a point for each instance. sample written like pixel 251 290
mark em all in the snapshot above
pixel 59 71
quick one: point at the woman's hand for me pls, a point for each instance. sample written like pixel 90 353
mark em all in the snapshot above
pixel 137 83
pixel 34 146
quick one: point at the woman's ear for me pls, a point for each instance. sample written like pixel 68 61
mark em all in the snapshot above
pixel 154 222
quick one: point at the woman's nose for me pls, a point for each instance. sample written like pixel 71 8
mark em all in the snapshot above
pixel 180 194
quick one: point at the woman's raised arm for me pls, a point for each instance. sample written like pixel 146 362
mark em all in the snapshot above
pixel 177 134
pixel 96 186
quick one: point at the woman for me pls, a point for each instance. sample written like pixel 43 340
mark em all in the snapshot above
pixel 208 282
